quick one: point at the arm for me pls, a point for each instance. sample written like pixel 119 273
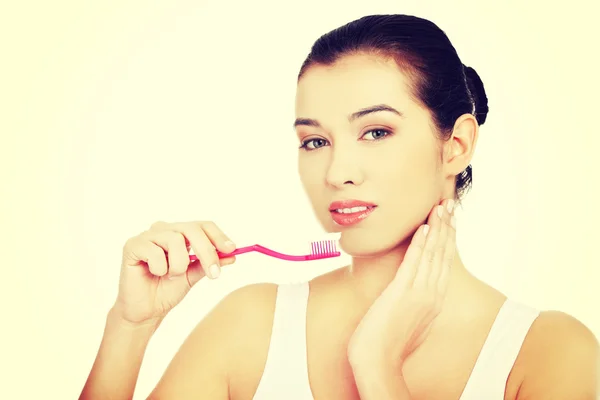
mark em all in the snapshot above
pixel 204 365
pixel 400 318
pixel 566 362
pixel 145 297
pixel 379 380
pixel 117 365
pixel 198 370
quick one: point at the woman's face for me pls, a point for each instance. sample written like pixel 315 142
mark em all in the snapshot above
pixel 387 158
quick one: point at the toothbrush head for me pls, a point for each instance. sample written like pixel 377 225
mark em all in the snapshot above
pixel 324 249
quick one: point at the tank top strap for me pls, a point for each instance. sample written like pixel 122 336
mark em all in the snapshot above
pixel 499 352
pixel 286 371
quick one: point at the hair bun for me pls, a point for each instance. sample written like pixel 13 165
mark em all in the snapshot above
pixel 478 92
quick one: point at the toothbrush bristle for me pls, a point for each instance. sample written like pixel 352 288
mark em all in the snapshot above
pixel 324 247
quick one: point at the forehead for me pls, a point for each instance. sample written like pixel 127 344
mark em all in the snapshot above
pixel 352 83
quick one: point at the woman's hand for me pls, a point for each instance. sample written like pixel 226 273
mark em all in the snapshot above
pixel 399 320
pixel 156 272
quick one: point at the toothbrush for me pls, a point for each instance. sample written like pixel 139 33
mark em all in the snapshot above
pixel 319 250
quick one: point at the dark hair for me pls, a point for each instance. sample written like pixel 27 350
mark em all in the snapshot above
pixel 439 80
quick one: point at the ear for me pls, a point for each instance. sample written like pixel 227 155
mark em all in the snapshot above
pixel 459 149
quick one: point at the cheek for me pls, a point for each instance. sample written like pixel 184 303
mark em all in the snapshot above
pixel 312 181
pixel 410 191
pixel 414 184
pixel 411 170
pixel 312 178
pixel 408 186
pixel 308 176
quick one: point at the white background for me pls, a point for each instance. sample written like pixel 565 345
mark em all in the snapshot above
pixel 115 114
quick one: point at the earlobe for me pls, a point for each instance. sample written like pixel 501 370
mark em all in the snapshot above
pixel 460 147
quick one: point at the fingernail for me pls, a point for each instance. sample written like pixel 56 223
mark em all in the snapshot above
pixel 425 230
pixel 450 205
pixel 440 211
pixel 214 271
pixel 453 221
pixel 230 244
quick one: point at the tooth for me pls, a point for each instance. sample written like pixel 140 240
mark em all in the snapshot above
pixel 351 210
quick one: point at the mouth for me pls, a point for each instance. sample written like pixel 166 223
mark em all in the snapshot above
pixel 350 212
pixel 350 206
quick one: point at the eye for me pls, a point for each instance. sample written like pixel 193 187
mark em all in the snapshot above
pixel 313 144
pixel 377 134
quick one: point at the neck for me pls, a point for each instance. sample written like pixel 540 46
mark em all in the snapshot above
pixel 370 276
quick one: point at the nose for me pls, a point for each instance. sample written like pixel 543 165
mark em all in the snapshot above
pixel 344 169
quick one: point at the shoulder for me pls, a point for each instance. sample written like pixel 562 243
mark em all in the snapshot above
pixel 253 298
pixel 243 312
pixel 562 359
pixel 205 361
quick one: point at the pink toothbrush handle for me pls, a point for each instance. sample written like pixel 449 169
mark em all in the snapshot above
pixel 241 250
pixel 268 252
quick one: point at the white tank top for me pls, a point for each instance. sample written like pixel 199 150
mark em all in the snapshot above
pixel 286 371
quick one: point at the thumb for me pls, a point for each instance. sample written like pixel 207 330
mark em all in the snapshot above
pixel 195 272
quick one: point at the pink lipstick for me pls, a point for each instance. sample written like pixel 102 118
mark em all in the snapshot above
pixel 350 212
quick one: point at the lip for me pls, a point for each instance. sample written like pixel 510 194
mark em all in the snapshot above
pixel 352 218
pixel 349 204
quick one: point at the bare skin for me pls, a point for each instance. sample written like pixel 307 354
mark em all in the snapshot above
pixel 395 160
pixel 334 310
pixel 337 303
pixel 452 345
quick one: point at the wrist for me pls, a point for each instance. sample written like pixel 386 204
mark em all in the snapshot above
pixel 368 357
pixel 115 321
pixel 372 364
pixel 117 365
pixel 378 378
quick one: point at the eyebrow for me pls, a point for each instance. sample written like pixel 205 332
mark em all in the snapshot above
pixel 352 117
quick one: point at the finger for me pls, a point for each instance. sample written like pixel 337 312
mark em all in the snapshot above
pixel 195 271
pixel 159 226
pixel 202 246
pixel 178 256
pixel 442 243
pixel 449 255
pixel 221 241
pixel 151 254
pixel 407 271
pixel 173 243
pixel 227 261
pixel 427 258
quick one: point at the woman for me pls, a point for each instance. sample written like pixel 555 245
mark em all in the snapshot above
pixel 387 121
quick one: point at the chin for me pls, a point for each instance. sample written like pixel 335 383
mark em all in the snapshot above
pixel 366 244
pixel 373 237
